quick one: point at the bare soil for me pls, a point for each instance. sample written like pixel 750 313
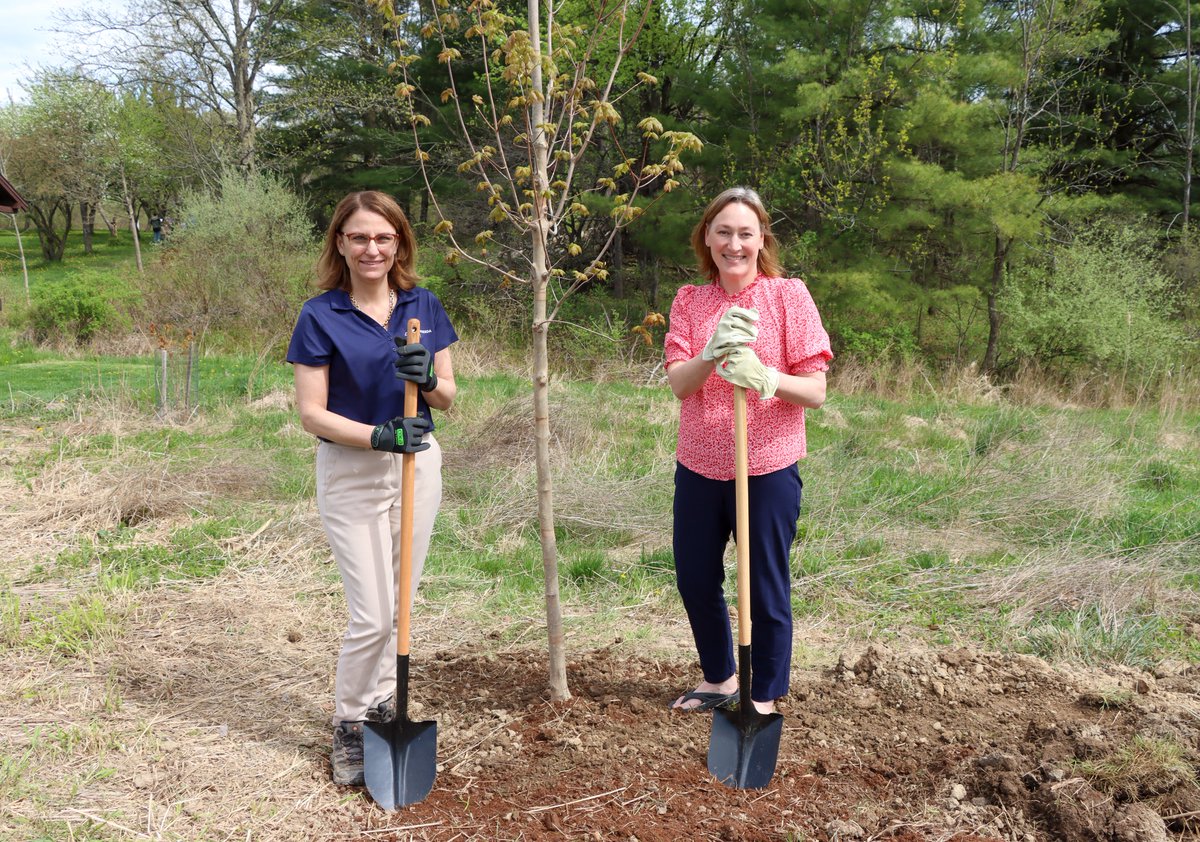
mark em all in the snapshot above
pixel 904 744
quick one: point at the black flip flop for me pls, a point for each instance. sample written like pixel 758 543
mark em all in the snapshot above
pixel 707 701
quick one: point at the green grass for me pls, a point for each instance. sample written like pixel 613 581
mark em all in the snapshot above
pixel 10 619
pixel 192 552
pixel 23 777
pixel 74 629
pixel 107 253
pixel 1090 637
pixel 1146 766
pixel 32 382
pixel 14 770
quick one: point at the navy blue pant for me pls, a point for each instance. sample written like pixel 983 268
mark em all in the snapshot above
pixel 705 518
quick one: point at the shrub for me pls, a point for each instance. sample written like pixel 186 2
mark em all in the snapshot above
pixel 863 313
pixel 895 342
pixel 1103 302
pixel 238 263
pixel 81 305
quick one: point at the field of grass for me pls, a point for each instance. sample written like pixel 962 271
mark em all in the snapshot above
pixel 107 251
pixel 957 515
pixel 1067 533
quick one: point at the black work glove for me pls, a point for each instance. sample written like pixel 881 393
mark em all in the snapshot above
pixel 402 435
pixel 415 363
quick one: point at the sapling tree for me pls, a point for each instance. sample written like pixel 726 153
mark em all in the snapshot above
pixel 534 104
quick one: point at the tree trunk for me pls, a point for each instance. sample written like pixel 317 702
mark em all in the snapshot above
pixel 1190 130
pixel 244 106
pixel 617 269
pixel 999 258
pixel 110 224
pixel 87 223
pixel 53 243
pixel 137 241
pixel 655 265
pixel 541 377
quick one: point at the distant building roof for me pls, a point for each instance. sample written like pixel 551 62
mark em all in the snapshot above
pixel 10 199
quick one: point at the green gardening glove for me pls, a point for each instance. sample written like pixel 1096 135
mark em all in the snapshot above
pixel 402 435
pixel 742 367
pixel 736 328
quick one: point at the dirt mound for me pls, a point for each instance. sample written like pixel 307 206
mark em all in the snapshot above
pixel 900 744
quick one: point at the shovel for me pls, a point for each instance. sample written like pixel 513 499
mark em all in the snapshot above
pixel 744 744
pixel 400 757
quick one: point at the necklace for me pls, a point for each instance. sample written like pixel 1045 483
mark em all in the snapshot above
pixel 391 305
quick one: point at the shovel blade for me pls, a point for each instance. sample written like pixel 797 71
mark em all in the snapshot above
pixel 399 761
pixel 743 747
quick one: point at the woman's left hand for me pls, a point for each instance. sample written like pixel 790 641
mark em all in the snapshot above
pixel 742 367
pixel 415 363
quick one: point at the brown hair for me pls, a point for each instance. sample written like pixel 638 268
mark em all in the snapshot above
pixel 332 271
pixel 768 255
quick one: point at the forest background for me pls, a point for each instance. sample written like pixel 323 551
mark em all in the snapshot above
pixel 999 184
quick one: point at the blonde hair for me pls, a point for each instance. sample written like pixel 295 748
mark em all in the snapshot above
pixel 768 255
pixel 332 271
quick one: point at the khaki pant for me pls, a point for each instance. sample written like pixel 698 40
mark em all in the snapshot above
pixel 358 496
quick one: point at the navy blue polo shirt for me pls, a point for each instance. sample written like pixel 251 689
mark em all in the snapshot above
pixel 361 353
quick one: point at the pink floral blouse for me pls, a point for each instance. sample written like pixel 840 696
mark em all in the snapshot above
pixel 791 339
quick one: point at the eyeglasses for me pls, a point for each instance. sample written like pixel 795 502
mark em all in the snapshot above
pixel 359 242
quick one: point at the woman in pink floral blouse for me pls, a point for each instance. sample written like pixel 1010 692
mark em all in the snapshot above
pixel 748 326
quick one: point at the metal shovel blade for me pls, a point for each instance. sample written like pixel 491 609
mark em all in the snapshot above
pixel 744 746
pixel 399 757
pixel 399 761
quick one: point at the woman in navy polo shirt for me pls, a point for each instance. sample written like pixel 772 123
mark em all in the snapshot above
pixel 350 363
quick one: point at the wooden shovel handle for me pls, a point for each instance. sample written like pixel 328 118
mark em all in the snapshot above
pixel 408 482
pixel 741 457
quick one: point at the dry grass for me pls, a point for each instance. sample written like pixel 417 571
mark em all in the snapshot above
pixel 891 379
pixel 1146 767
pixel 478 355
pixel 1030 385
pixel 505 437
pixel 1171 394
pixel 219 683
pixel 491 469
pixel 1060 477
pixel 69 495
pixel 207 714
pixel 1066 579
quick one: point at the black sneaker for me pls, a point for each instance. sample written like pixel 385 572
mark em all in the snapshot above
pixel 347 757
pixel 384 711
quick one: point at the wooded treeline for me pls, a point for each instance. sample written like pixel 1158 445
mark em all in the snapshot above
pixel 995 181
